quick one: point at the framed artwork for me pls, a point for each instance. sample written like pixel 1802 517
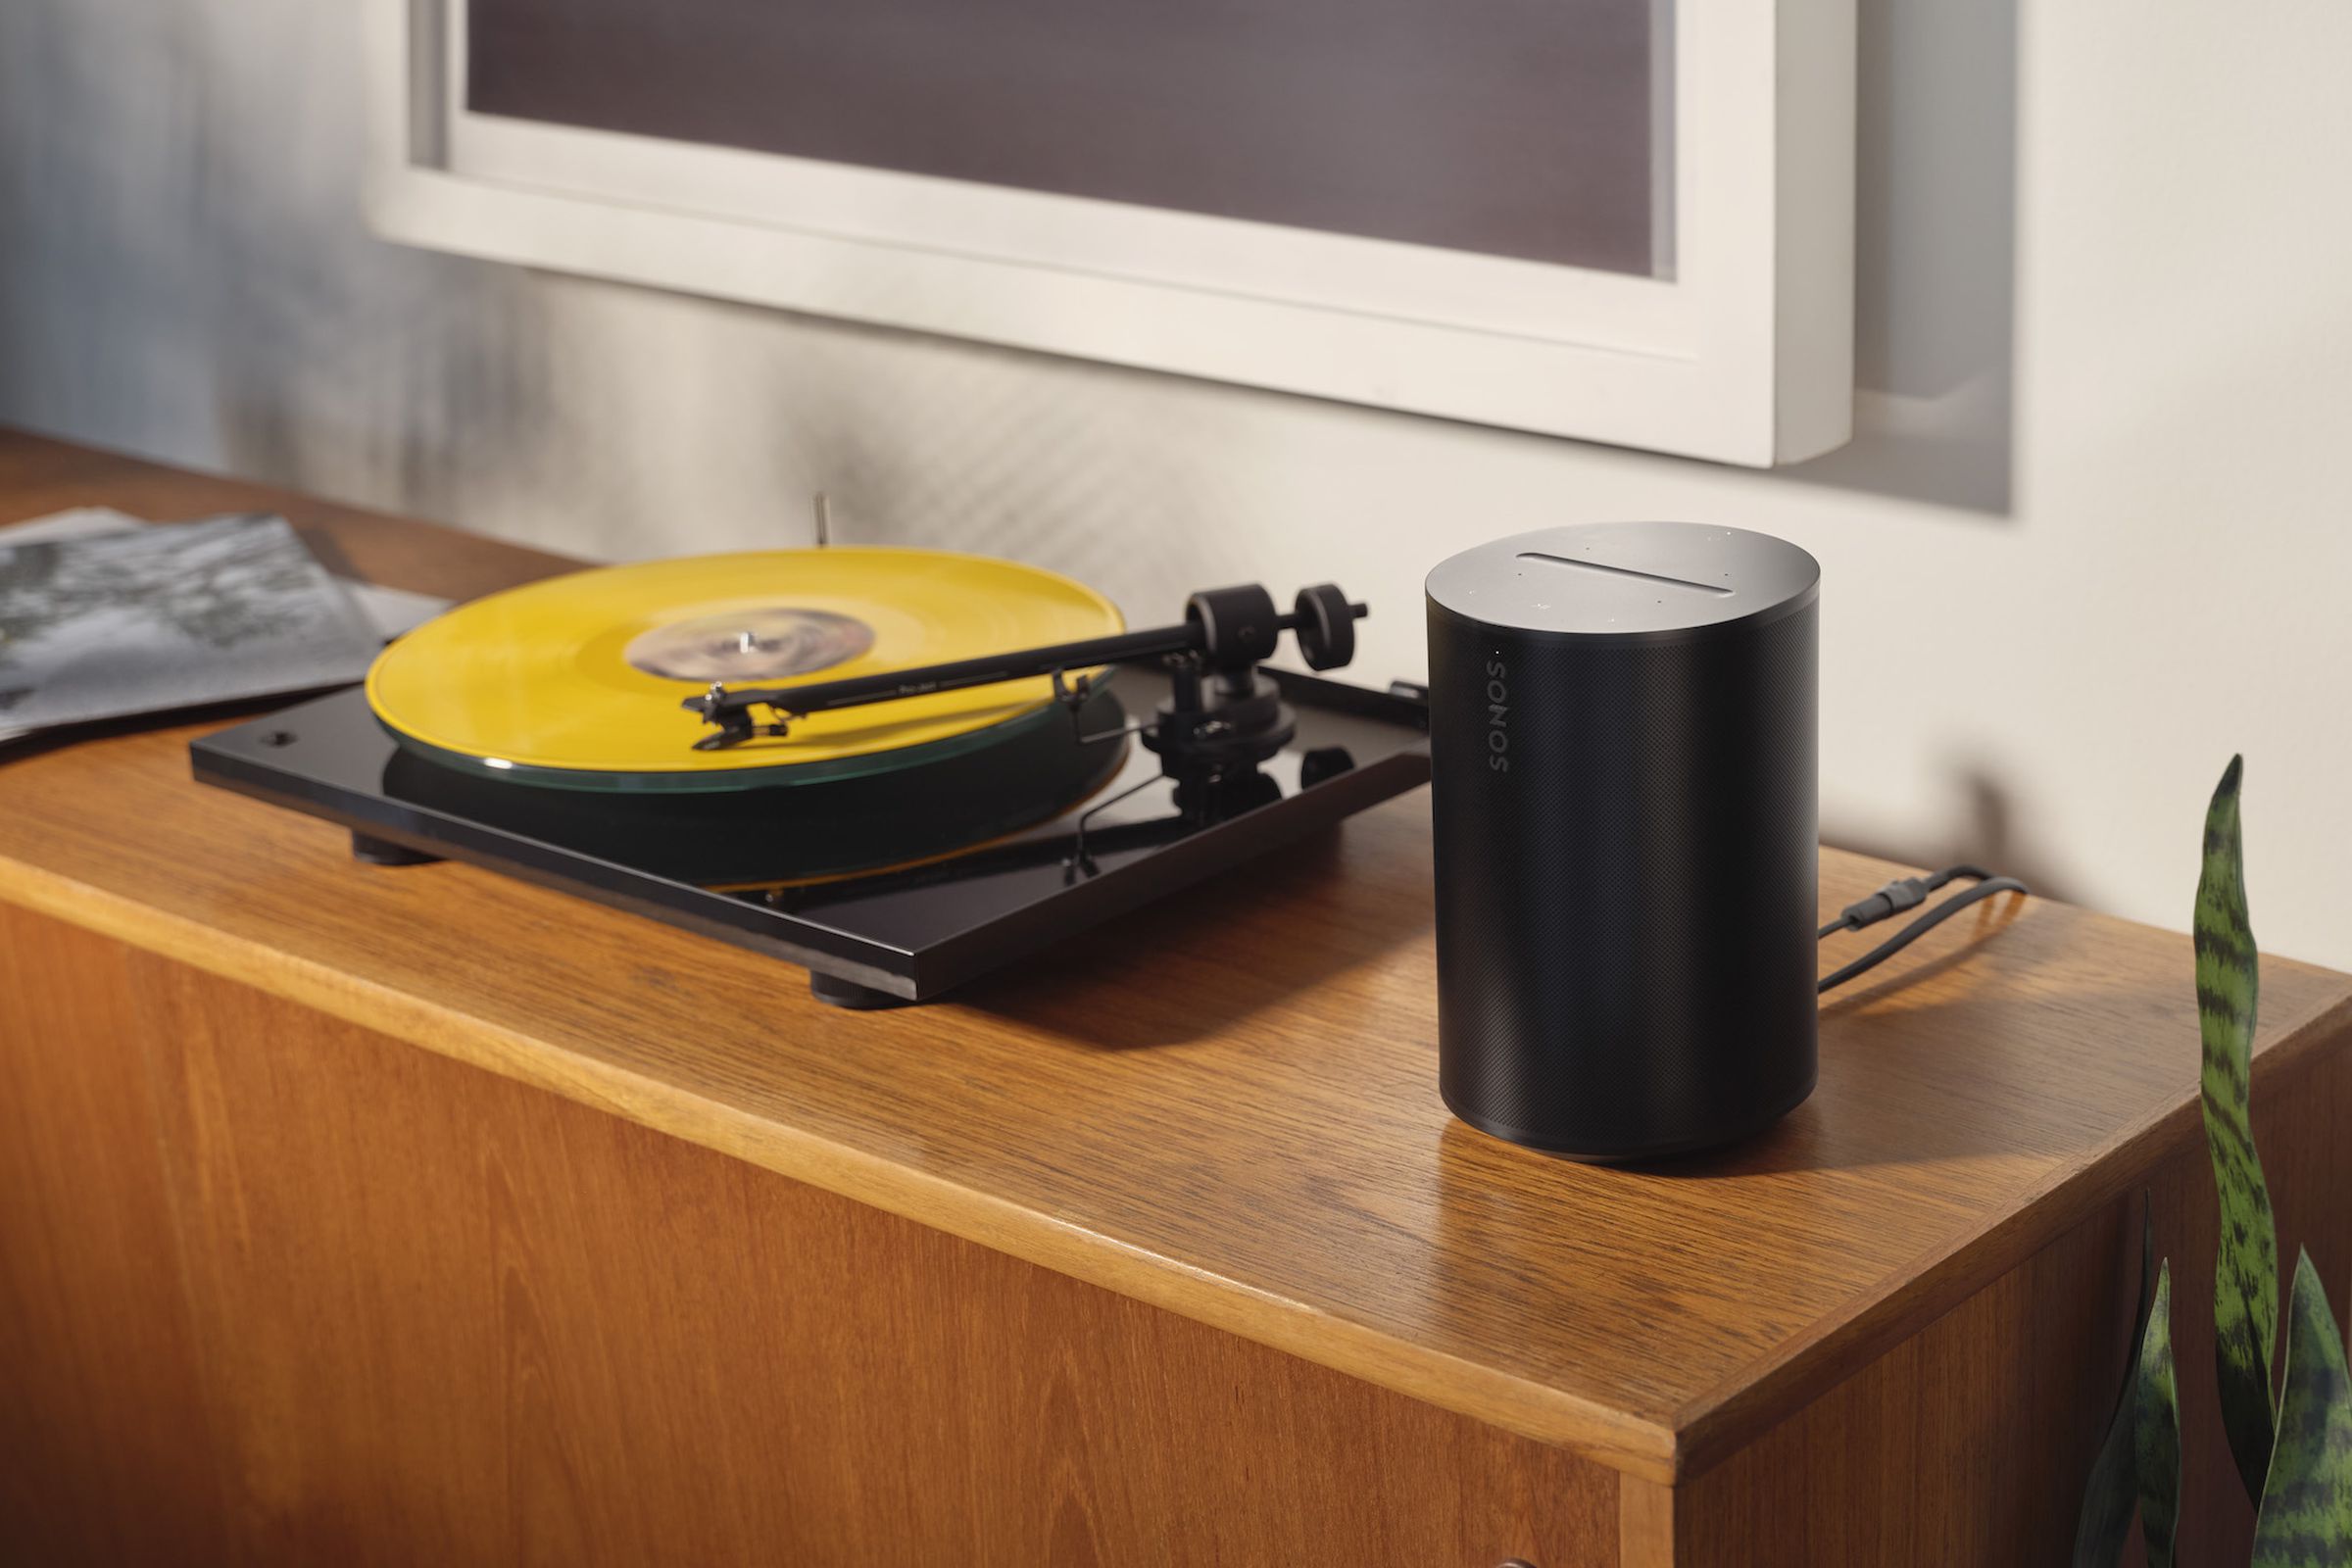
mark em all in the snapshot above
pixel 1624 221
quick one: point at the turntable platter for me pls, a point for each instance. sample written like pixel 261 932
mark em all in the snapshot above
pixel 575 681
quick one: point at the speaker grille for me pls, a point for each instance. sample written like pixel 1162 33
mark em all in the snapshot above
pixel 1626 910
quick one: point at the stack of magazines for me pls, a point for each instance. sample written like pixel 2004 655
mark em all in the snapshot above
pixel 103 617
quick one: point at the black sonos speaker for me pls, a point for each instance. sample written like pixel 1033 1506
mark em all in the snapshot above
pixel 1623 750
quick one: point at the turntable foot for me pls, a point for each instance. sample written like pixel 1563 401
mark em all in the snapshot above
pixel 835 991
pixel 383 852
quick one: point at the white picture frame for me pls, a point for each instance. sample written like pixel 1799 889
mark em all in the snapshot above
pixel 1743 354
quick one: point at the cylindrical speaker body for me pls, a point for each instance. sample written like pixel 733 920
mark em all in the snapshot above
pixel 1622 739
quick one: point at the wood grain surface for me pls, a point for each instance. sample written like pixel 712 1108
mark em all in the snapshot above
pixel 1970 1441
pixel 1225 1105
pixel 303 1294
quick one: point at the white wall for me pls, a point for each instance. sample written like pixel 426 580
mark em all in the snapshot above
pixel 2097 533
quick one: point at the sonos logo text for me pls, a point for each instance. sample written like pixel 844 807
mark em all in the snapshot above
pixel 1498 713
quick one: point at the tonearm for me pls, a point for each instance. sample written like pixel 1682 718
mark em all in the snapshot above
pixel 1224 634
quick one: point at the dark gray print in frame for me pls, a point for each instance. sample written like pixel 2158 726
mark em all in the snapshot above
pixel 1521 128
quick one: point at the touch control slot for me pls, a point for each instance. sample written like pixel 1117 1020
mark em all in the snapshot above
pixel 1623 571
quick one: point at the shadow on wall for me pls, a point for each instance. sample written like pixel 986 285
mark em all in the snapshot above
pixel 1935 256
pixel 1982 830
pixel 189 276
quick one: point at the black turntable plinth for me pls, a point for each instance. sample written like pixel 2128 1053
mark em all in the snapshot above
pixel 756 866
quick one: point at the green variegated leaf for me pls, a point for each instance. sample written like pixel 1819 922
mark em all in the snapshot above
pixel 2113 1489
pixel 2156 1428
pixel 2245 1278
pixel 2306 1518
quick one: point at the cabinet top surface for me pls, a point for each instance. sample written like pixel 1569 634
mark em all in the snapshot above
pixel 1233 1117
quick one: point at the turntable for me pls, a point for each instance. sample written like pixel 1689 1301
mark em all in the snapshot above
pixel 900 768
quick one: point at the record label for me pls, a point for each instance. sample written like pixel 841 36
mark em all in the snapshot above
pixel 757 645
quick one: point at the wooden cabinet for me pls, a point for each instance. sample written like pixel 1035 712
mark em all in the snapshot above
pixel 361 1214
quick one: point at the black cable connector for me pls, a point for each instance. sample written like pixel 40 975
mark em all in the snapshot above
pixel 1909 893
pixel 1903 893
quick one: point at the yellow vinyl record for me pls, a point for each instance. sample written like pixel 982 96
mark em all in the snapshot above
pixel 577 681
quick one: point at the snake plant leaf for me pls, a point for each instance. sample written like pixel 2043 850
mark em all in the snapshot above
pixel 2245 1276
pixel 2156 1428
pixel 2306 1515
pixel 2113 1489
